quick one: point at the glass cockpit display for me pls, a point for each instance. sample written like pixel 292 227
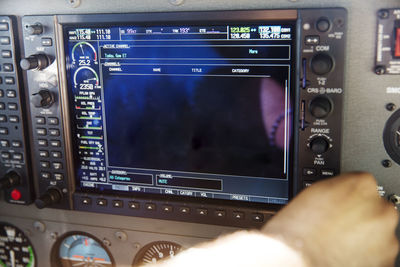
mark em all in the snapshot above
pixel 198 110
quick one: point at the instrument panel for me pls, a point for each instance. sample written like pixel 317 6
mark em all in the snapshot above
pixel 110 228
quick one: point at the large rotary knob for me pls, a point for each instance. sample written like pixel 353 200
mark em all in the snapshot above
pixel 35 62
pixel 43 99
pixel 321 64
pixel 319 145
pixel 320 107
pixel 9 180
pixel 50 197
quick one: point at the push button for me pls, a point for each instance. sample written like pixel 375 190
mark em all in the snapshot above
pixel 16 194
pixel 134 205
pixel 3 131
pixel 54 132
pixel 101 202
pixel 12 106
pixel 2 106
pixel 16 143
pixel 8 67
pixel 3 118
pixel 42 142
pixel 9 80
pixel 47 41
pixel 41 131
pixel 6 54
pixel 167 208
pixel 220 213
pixel 53 121
pixel 86 201
pixel 56 154
pixel 4 26
pixel 14 119
pixel 327 173
pixel 55 143
pixel 150 206
pixel 312 40
pixel 45 164
pixel 45 175
pixel 238 215
pixel 5 40
pixel 5 155
pixel 17 156
pixel 57 165
pixel 309 172
pixel 43 153
pixel 58 176
pixel 4 143
pixel 11 93
pixel 184 210
pixel 257 217
pixel 202 212
pixel 118 204
pixel 40 120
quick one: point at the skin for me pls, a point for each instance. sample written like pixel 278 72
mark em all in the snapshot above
pixel 337 222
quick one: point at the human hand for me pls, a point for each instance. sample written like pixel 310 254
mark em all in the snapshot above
pixel 339 222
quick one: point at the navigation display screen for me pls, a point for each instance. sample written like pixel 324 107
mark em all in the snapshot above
pixel 188 110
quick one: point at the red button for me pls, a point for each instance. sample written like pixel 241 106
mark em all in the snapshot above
pixel 15 194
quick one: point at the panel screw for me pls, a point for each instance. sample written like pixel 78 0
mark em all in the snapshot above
pixel 54 235
pixel 121 235
pixel 74 3
pixel 39 226
pixel 387 163
pixel 383 14
pixel 380 70
pixel 176 2
pixel 106 242
pixel 390 106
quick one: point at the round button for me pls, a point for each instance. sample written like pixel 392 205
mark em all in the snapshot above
pixel 320 107
pixel 319 145
pixel 321 64
pixel 323 25
pixel 15 194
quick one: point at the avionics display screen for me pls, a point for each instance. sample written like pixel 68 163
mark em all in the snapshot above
pixel 187 110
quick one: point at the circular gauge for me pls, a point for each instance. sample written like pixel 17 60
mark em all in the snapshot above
pixel 86 78
pixel 15 247
pixel 156 251
pixel 83 53
pixel 391 136
pixel 80 249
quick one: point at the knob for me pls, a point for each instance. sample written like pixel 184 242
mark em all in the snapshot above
pixel 43 99
pixel 35 62
pixel 9 180
pixel 321 64
pixel 320 107
pixel 50 197
pixel 34 29
pixel 323 25
pixel 319 145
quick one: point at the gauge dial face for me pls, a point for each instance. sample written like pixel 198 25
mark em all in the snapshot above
pixel 82 250
pixel 84 53
pixel 15 247
pixel 155 252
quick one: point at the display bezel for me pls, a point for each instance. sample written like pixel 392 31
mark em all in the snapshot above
pixel 190 18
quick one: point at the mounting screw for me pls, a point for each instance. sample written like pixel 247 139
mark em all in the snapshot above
pixel 136 245
pixel 387 163
pixel 39 226
pixel 390 106
pixel 54 235
pixel 383 14
pixel 380 70
pixel 74 3
pixel 106 242
pixel 121 235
